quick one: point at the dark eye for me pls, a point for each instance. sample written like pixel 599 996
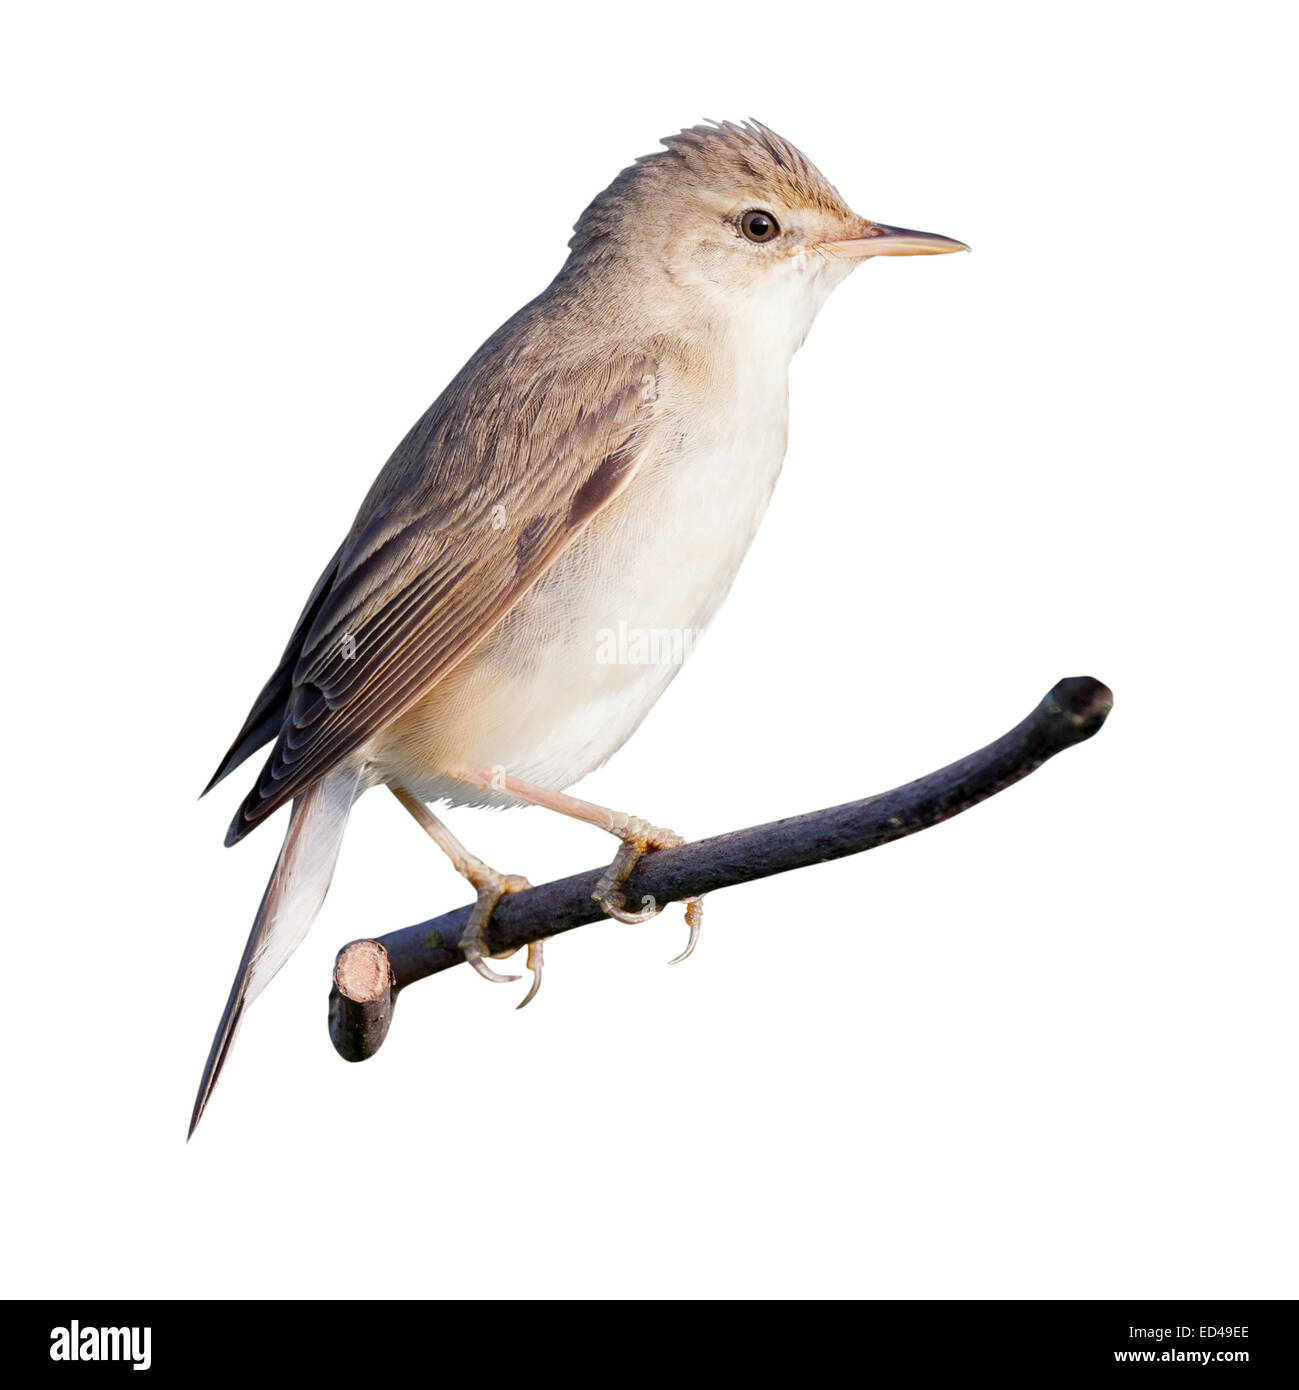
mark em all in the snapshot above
pixel 759 226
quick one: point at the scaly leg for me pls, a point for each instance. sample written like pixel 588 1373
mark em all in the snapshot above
pixel 638 837
pixel 490 887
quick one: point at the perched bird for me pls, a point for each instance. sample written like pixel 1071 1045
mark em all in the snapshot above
pixel 600 464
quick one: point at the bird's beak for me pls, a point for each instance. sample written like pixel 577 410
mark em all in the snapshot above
pixel 880 240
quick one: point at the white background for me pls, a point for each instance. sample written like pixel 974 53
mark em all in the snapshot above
pixel 1046 1049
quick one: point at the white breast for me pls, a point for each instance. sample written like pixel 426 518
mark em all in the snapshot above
pixel 574 668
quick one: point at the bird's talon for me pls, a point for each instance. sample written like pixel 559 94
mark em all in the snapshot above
pixel 536 955
pixel 479 963
pixel 694 920
pixel 613 905
pixel 491 889
pixel 638 838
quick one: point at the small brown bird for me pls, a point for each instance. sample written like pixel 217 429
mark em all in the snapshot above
pixel 600 465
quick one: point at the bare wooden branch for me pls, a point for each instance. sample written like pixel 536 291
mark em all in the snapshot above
pixel 361 1007
pixel 360 1004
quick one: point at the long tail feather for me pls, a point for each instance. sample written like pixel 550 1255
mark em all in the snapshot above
pixel 289 906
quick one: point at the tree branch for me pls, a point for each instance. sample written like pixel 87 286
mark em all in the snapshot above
pixel 369 974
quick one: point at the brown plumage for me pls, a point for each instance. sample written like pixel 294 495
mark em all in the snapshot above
pixel 603 459
pixel 425 572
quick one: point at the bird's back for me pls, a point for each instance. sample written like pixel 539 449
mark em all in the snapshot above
pixel 551 379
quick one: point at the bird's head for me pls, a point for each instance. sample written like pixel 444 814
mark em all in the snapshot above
pixel 730 223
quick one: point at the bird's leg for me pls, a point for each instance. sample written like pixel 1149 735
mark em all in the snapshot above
pixel 638 837
pixel 490 888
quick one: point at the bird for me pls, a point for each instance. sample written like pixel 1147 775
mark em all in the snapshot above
pixel 599 465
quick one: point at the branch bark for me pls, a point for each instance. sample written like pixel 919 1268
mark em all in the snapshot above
pixel 369 974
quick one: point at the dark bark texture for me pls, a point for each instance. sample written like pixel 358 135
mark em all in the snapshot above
pixel 361 1003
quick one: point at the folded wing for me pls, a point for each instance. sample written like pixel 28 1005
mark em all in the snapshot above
pixel 472 508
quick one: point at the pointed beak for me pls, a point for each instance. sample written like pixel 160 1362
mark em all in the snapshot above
pixel 892 241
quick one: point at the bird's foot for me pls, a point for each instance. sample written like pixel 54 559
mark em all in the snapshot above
pixel 491 887
pixel 639 838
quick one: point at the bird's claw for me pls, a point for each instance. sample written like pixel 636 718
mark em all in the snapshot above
pixel 694 920
pixel 536 955
pixel 640 838
pixel 613 902
pixel 492 887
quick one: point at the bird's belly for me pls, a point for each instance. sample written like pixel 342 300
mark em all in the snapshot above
pixel 565 678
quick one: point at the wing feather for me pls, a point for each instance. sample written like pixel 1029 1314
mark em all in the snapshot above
pixel 471 510
pixel 267 714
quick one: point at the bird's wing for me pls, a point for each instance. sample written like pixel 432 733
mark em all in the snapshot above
pixel 267 714
pixel 472 508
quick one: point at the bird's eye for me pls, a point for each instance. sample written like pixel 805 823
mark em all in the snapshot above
pixel 759 226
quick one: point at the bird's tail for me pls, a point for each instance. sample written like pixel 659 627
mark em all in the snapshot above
pixel 289 906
